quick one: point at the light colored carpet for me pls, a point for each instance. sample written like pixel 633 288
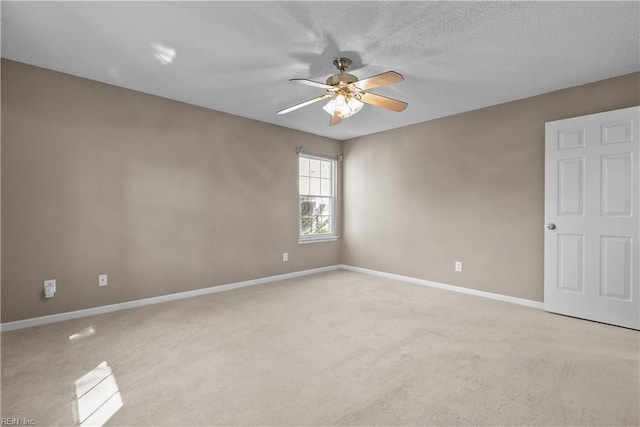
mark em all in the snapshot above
pixel 337 348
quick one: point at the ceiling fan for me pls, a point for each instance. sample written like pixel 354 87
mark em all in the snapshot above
pixel 348 94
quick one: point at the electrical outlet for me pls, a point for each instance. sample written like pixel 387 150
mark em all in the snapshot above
pixel 285 257
pixel 49 288
pixel 458 266
pixel 102 280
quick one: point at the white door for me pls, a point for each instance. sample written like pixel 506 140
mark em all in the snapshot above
pixel 592 192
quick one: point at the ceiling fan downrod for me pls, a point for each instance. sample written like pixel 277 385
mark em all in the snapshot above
pixel 342 64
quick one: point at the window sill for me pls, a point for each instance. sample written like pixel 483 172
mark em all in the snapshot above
pixel 317 240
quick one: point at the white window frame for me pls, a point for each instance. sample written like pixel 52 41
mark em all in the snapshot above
pixel 333 234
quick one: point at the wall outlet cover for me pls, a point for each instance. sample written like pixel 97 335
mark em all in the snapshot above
pixel 49 288
pixel 102 280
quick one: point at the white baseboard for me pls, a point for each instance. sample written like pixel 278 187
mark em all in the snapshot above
pixel 26 323
pixel 35 321
pixel 499 297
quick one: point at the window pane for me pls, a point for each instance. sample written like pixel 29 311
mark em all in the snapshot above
pixel 325 187
pixel 322 224
pixel 304 185
pixel 305 225
pixel 315 215
pixel 304 166
pixel 314 186
pixel 322 206
pixel 307 206
pixel 325 170
pixel 314 168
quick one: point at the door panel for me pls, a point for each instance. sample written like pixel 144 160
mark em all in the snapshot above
pixel 616 133
pixel 571 187
pixel 571 263
pixel 616 184
pixel 616 267
pixel 592 190
pixel 570 138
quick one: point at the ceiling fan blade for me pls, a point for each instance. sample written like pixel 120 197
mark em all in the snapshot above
pixel 335 119
pixel 379 80
pixel 312 83
pixel 383 101
pixel 305 103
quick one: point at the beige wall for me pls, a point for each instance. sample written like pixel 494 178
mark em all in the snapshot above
pixel 161 196
pixel 166 197
pixel 468 187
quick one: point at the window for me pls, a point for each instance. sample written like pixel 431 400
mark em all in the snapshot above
pixel 317 190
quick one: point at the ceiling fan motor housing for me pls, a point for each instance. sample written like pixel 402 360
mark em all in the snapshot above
pixel 345 78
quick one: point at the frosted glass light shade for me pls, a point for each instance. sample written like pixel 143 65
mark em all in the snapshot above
pixel 343 107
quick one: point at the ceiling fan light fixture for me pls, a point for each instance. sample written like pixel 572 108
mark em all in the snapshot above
pixel 346 108
pixel 349 94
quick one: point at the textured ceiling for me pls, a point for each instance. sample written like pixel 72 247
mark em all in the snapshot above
pixel 237 57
